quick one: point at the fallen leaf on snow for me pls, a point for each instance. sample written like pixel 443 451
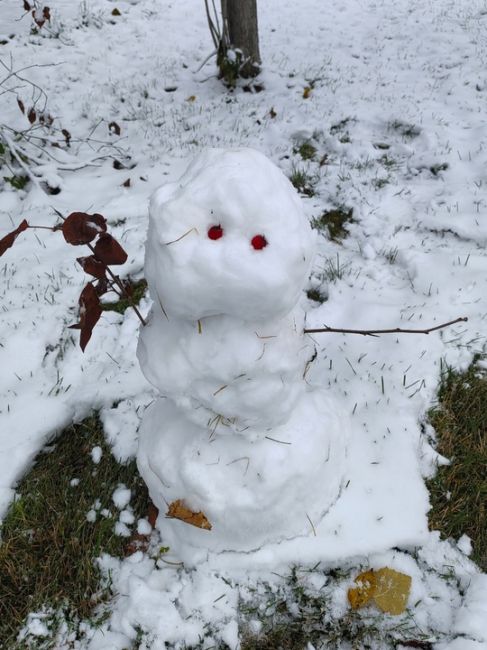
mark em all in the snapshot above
pixel 364 591
pixel 392 591
pixel 388 588
pixel 178 510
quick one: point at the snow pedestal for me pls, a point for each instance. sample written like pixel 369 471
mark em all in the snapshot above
pixel 237 433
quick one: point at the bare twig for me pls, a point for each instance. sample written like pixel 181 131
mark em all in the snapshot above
pixel 116 280
pixel 394 330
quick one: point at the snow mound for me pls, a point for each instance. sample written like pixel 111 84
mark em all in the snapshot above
pixel 252 491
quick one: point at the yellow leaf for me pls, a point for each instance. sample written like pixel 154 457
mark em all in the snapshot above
pixel 365 590
pixel 191 98
pixel 307 92
pixel 178 510
pixel 392 591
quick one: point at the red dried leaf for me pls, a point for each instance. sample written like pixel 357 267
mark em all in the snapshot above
pixel 35 15
pixel 31 115
pixel 27 6
pixel 152 514
pixel 93 266
pixel 46 12
pixel 8 241
pixel 81 228
pixel 89 314
pixel 21 105
pixel 109 251
pixel 113 127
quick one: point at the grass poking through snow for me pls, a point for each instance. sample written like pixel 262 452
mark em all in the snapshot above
pixel 48 548
pixel 136 291
pixel 459 490
pixel 334 223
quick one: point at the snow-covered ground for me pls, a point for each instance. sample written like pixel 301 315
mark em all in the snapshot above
pixel 396 112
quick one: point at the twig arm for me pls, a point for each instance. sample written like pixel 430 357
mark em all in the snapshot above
pixel 394 330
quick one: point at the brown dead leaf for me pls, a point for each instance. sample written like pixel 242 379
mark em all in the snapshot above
pixel 389 590
pixel 363 593
pixel 307 92
pixel 392 591
pixel 178 510
pixel 191 98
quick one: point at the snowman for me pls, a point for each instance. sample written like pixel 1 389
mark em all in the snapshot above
pixel 237 432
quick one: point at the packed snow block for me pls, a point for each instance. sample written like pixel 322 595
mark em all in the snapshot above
pixel 246 196
pixel 274 486
pixel 250 374
pixel 237 433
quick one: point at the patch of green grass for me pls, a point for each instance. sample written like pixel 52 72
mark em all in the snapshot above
pixel 306 150
pixel 388 162
pixel 406 130
pixel 48 549
pixel 295 616
pixel 303 182
pixel 136 291
pixel 459 490
pixel 334 270
pixel 380 182
pixel 333 222
pixel 316 295
pixel 18 182
pixel 437 168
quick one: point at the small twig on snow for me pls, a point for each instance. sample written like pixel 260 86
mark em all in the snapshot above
pixel 394 330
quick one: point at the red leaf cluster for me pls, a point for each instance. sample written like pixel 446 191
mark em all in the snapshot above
pixel 8 241
pixel 91 229
pixel 82 228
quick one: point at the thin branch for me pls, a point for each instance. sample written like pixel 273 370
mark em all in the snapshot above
pixel 116 280
pixel 394 330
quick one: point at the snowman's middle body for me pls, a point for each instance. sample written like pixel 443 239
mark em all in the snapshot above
pixel 237 433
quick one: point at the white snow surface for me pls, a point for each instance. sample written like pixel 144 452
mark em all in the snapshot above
pixel 235 479
pixel 397 116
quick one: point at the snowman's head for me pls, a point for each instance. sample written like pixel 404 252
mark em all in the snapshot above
pixel 230 237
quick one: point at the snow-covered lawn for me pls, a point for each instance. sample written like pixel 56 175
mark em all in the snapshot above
pixel 395 111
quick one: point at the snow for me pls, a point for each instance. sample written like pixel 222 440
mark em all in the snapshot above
pixel 192 276
pixel 253 490
pixel 144 527
pixel 96 454
pixel 407 76
pixel 121 496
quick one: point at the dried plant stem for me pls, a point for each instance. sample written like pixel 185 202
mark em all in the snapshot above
pixel 394 330
pixel 116 280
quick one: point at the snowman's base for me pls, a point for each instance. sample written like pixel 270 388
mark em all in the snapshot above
pixel 257 489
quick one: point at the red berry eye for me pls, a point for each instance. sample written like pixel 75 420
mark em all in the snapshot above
pixel 259 242
pixel 215 232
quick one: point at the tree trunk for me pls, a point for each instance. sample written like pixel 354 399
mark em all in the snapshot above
pixel 240 28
